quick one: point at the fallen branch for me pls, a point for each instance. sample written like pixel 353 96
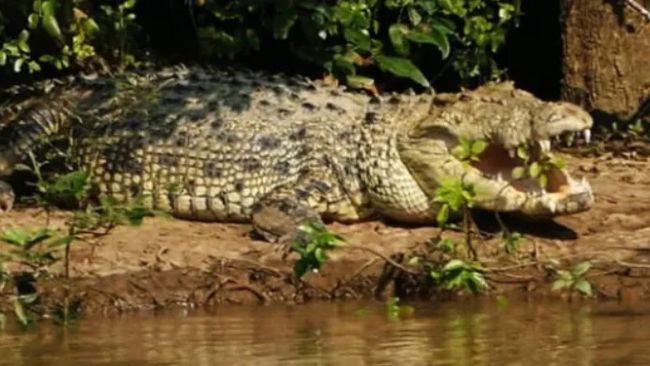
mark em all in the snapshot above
pixel 633 265
pixel 639 8
pixel 384 257
pixel 508 268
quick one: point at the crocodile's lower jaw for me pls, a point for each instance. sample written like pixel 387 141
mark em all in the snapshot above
pixel 562 195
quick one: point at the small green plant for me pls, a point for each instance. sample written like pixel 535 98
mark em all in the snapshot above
pixel 123 23
pixel 536 167
pixel 638 128
pixel 38 250
pixel 35 249
pixel 42 19
pixel 460 275
pixel 313 243
pixel 456 196
pixel 469 151
pixel 394 310
pixel 574 280
pixel 511 241
pixel 447 245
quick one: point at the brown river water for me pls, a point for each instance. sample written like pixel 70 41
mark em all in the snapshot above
pixel 457 333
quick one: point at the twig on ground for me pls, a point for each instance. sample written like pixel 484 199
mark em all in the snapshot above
pixel 384 257
pixel 514 266
pixel 363 268
pixel 639 8
pixel 633 265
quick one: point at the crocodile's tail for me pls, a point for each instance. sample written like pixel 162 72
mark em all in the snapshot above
pixel 27 123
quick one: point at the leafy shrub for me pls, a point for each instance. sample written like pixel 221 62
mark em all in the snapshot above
pixel 61 33
pixel 352 40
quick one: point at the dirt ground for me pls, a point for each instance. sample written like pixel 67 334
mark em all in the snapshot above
pixel 168 262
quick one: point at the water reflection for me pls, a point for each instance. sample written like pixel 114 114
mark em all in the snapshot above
pixel 468 333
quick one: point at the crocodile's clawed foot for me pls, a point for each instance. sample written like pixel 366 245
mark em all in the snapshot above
pixel 279 222
pixel 7 197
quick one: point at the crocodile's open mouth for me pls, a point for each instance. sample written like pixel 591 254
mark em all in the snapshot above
pixel 533 171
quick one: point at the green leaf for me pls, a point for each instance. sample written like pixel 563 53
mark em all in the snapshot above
pixel 20 313
pixel 136 215
pixel 414 16
pixel 460 152
pixel 413 261
pixel 359 82
pixel 32 20
pixel 518 172
pixel 580 269
pixel 434 37
pixel 51 26
pixel 38 237
pixel 522 153
pixel 565 275
pixel 558 163
pixel 61 242
pixel 478 147
pixel 584 286
pixel 128 4
pixel 90 26
pixel 453 264
pixel 33 66
pixel 3 58
pixel 444 25
pixel 443 215
pixel 16 237
pixel 18 64
pixel 396 33
pixel 285 17
pixel 542 180
pixel 320 255
pixel 559 285
pixel 534 169
pixel 300 268
pixel 402 67
pixel 358 38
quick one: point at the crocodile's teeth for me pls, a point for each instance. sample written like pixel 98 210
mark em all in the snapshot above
pixel 512 153
pixel 587 134
pixel 569 140
pixel 499 177
pixel 583 182
pixel 545 145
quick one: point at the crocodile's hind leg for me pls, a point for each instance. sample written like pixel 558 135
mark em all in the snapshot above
pixel 7 197
pixel 278 216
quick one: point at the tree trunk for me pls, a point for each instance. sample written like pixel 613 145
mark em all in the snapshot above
pixel 606 57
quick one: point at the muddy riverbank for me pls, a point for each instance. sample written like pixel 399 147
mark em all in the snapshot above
pixel 167 262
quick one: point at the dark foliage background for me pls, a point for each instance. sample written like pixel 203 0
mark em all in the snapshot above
pixel 362 43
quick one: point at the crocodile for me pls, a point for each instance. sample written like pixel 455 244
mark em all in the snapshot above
pixel 276 150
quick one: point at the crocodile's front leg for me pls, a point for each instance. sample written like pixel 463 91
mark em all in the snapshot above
pixel 278 216
pixel 7 197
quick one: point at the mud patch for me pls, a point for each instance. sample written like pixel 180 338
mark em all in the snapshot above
pixel 168 262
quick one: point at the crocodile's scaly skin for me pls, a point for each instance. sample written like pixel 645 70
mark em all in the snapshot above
pixel 217 146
